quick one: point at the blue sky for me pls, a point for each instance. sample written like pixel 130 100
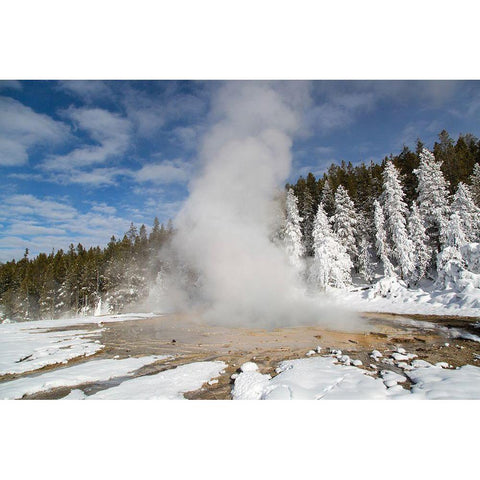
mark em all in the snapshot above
pixel 80 160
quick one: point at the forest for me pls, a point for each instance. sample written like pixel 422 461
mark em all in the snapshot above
pixel 72 282
pixel 410 214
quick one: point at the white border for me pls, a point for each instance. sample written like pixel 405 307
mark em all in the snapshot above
pixel 225 40
pixel 251 39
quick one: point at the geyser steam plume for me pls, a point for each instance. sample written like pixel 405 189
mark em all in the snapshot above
pixel 226 224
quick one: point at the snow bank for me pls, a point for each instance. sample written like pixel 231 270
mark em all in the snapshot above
pixel 167 385
pixel 23 350
pixel 309 379
pixel 455 292
pixel 324 378
pixel 93 371
pixel 250 385
pixel 437 383
pixel 392 296
pixel 28 346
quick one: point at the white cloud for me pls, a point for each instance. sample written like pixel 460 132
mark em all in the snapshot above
pixel 36 177
pixel 41 224
pixel 169 171
pixel 338 110
pixel 31 228
pixel 12 152
pixel 162 208
pixel 187 137
pixel 110 131
pixel 22 128
pixel 94 178
pixel 87 90
pixel 104 208
pixel 151 112
pixel 29 205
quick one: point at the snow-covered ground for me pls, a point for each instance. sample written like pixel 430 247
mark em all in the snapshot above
pixel 392 296
pixel 28 346
pixel 325 378
pixel 92 371
pixel 167 385
pixel 82 320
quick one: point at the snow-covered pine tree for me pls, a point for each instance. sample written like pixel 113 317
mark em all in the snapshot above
pixel 47 298
pixel 455 234
pixel 331 264
pixel 468 212
pixel 475 182
pixel 344 221
pixel 365 263
pixel 395 211
pixel 422 253
pixel 307 223
pixel 381 240
pixel 293 234
pixel 327 198
pixel 450 262
pixel 432 199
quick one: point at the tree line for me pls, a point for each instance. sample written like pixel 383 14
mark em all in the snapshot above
pixel 73 282
pixel 411 214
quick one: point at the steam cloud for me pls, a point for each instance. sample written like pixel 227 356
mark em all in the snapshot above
pixel 225 227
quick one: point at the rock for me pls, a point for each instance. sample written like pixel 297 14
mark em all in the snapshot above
pixel 249 367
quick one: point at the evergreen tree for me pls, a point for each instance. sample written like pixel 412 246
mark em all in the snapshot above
pixel 132 233
pixel 422 254
pixel 331 264
pixel 406 162
pixel 365 263
pixel 455 234
pixel 48 293
pixel 475 184
pixel 468 212
pixel 432 199
pixel 395 210
pixel 293 234
pixel 444 152
pixel 383 250
pixel 344 222
pixel 308 215
pixel 143 234
pixel 327 198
